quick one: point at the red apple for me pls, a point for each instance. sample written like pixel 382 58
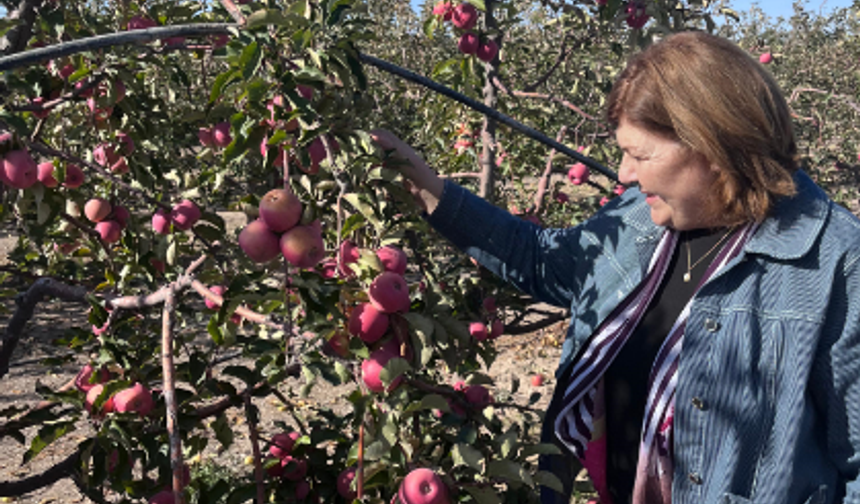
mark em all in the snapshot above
pixel 348 253
pixel 20 170
pixel 489 304
pixel 259 242
pixel 84 381
pixel 220 40
pixel 119 167
pixel 392 259
pixel 205 136
pixel 468 44
pixel 344 484
pixel 280 210
pixel 339 343
pixel 184 215
pixel 121 215
pixel 497 328
pixel 44 112
pixel 97 209
pixel 371 367
pixel 110 231
pixel 66 71
pixel 636 14
pixel 464 16
pixel 126 143
pixel 478 395
pixel 74 176
pixel 161 222
pixel 443 10
pixel 86 93
pixel 537 380
pixel 301 490
pixel 294 468
pixel 94 394
pixel 578 174
pixel 302 246
pixel 282 444
pixel 163 497
pixel 221 134
pixel 141 23
pixel 135 399
pixel 306 92
pixel 479 331
pixel 389 293
pixel 368 323
pixel 45 174
pixel 423 486
pixel 218 290
pixel 487 50
pixel 105 155
pixel 765 58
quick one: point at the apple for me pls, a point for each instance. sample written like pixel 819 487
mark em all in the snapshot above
pixel 219 40
pixel 765 58
pixel 636 15
pixel 348 253
pixel 479 331
pixel 121 215
pixel 619 189
pixel 109 230
pixel 259 242
pixel 478 395
pixel 157 265
pixel 562 198
pixel 443 10
pixel 184 215
pixel 371 367
pixel 84 381
pixel 97 209
pixel 161 222
pixel 464 16
pixel 105 155
pixel 497 328
pixel 74 176
pixel 45 174
pixel 282 443
pixel 468 43
pixel 392 259
pixel 338 343
pixel 205 136
pixel 302 246
pixel 221 134
pixel 90 400
pixel 301 490
pixel 174 41
pixel 578 174
pixel 275 470
pixel 537 380
pixel 19 169
pixel 66 71
pixel 135 399
pixel 141 23
pixel 489 304
pixel 328 268
pixel 119 167
pixel 84 93
pixel 487 50
pixel 218 290
pixel 294 468
pixel 344 484
pixel 368 323
pixel 280 210
pixel 423 486
pixel 44 112
pixel 306 92
pixel 99 114
pixel 389 293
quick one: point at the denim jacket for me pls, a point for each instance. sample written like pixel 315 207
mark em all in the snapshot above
pixel 768 397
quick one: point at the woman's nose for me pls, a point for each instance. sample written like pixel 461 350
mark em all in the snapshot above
pixel 627 171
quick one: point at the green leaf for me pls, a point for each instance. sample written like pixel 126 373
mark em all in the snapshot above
pixel 422 325
pixel 47 435
pixel 393 368
pixel 463 454
pixel 550 480
pixel 251 59
pixel 540 449
pixel 267 17
pixel 221 83
pixel 483 495
pixel 223 432
pixel 508 470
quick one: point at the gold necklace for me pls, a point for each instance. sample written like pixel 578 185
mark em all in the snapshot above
pixel 687 275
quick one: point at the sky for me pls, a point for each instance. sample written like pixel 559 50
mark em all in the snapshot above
pixel 773 8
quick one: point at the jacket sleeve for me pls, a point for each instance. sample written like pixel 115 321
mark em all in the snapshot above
pixel 540 262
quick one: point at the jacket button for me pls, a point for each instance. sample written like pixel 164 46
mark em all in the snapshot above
pixel 698 403
pixel 712 325
pixel 695 478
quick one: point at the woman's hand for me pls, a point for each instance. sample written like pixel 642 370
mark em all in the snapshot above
pixel 421 180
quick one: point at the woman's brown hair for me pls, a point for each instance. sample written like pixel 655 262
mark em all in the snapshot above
pixel 718 101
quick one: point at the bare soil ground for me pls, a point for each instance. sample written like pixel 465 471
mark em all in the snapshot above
pixel 519 356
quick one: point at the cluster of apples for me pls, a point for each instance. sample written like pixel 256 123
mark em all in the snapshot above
pixel 182 216
pixel 288 466
pixel 109 219
pixel 278 230
pixel 99 102
pixel 218 135
pixel 464 17
pixel 135 399
pixel 493 327
pixel 113 155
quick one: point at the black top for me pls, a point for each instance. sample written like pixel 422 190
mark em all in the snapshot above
pixel 626 380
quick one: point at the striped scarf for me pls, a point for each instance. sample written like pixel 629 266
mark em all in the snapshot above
pixel 580 424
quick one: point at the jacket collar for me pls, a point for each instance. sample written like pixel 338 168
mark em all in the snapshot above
pixel 788 233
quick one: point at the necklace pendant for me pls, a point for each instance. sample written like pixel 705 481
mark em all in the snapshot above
pixel 687 277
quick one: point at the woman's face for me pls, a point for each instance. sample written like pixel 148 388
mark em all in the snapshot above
pixel 678 183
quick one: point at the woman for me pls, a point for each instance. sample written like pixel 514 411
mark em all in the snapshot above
pixel 713 354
